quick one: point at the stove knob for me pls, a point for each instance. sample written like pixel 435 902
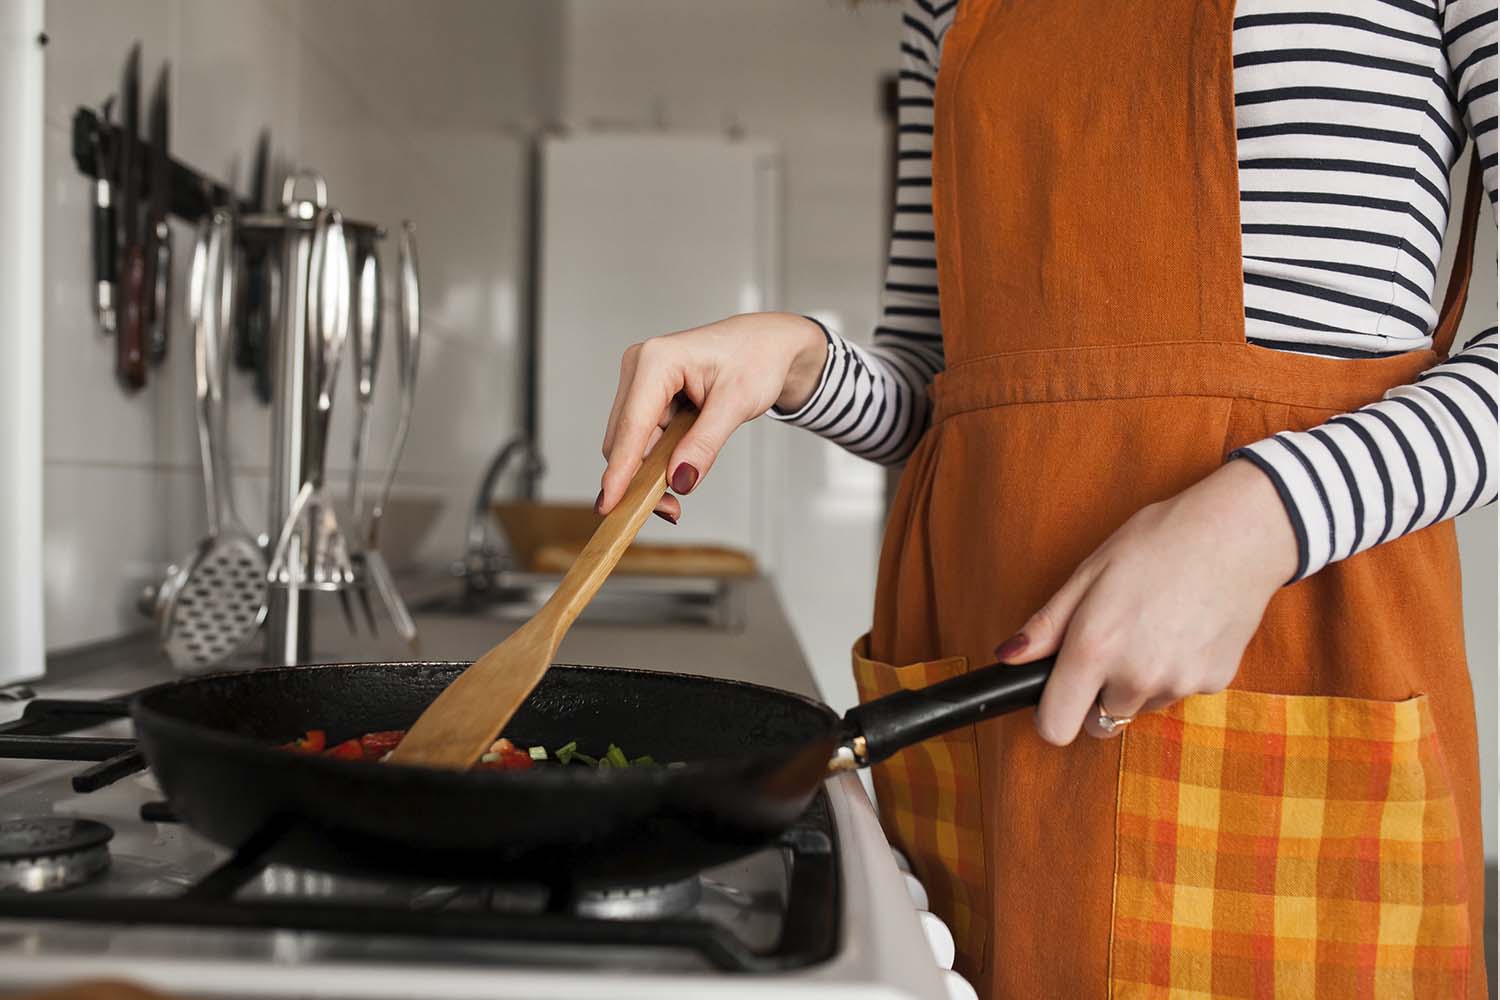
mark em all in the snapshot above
pixel 901 861
pixel 917 891
pixel 958 987
pixel 939 938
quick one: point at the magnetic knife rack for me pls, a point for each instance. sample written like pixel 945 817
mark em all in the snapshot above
pixel 193 198
pixel 194 195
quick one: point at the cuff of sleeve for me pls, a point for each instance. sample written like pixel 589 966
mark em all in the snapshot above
pixel 1298 487
pixel 801 416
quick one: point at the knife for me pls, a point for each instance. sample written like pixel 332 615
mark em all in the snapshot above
pixel 158 232
pixel 253 342
pixel 130 356
pixel 105 162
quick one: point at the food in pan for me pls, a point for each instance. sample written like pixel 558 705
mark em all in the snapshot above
pixel 503 755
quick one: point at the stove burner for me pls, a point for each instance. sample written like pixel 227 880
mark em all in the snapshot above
pixel 640 902
pixel 52 852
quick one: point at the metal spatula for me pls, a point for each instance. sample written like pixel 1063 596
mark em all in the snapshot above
pixel 459 726
pixel 212 602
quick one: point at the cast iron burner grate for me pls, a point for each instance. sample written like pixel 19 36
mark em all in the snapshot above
pixel 808 934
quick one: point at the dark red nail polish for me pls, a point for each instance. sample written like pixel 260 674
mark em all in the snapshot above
pixel 684 479
pixel 665 516
pixel 598 502
pixel 1010 647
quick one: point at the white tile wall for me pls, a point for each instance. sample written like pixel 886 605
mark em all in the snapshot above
pixel 412 110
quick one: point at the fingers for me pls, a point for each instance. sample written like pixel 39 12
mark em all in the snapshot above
pixel 721 415
pixel 1079 672
pixel 641 413
pixel 1123 697
pixel 1042 635
pixel 1069 695
pixel 669 509
pixel 628 362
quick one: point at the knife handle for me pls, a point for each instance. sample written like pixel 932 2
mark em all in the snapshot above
pixel 130 344
pixel 161 294
pixel 104 254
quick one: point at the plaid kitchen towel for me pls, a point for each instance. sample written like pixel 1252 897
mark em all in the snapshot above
pixel 1277 846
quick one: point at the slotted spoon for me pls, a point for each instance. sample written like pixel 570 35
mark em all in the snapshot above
pixel 212 602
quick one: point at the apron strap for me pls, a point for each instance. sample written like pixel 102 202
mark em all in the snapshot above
pixel 1463 265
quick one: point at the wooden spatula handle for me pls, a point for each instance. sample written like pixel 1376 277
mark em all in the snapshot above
pixel 619 527
pixel 457 727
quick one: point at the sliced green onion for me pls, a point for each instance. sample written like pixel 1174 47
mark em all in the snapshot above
pixel 538 753
pixel 644 758
pixel 590 761
pixel 565 752
pixel 489 758
pixel 678 763
pixel 616 757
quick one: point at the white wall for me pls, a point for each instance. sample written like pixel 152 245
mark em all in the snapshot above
pixel 1477 540
pixel 409 116
pixel 21 76
pixel 804 74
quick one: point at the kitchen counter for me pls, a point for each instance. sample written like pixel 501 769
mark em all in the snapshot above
pixel 764 650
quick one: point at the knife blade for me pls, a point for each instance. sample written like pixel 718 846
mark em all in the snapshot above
pixel 253 340
pixel 105 162
pixel 130 357
pixel 158 231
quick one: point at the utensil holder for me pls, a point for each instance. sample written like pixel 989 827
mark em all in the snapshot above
pixel 302 530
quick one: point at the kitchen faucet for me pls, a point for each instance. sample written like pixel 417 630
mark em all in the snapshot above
pixel 485 554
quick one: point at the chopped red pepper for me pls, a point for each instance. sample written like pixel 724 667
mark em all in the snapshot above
pixel 509 760
pixel 377 745
pixel 313 742
pixel 347 750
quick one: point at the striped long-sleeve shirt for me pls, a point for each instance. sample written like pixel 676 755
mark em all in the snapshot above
pixel 1350 117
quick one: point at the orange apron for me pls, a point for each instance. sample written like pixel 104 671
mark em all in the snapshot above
pixel 1314 830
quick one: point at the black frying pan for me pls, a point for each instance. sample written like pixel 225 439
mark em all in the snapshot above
pixel 755 757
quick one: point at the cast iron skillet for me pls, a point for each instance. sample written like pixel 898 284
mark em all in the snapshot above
pixel 755 757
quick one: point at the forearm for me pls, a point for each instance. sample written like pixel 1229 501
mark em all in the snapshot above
pixel 1423 454
pixel 871 401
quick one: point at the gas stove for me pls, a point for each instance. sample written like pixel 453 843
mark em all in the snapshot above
pixel 98 879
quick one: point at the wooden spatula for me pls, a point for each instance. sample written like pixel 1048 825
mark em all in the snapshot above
pixel 460 725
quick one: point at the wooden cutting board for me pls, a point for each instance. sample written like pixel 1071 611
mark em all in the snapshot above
pixel 103 989
pixel 547 537
pixel 647 559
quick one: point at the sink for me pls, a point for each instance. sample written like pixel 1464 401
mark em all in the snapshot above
pixel 705 602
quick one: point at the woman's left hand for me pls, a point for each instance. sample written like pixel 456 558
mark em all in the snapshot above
pixel 1164 608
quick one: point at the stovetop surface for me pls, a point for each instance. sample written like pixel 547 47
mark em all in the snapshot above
pixel 288 932
pixel 743 906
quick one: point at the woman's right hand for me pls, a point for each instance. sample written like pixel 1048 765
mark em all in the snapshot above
pixel 732 371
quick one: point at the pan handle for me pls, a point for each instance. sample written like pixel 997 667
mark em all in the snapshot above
pixel 877 729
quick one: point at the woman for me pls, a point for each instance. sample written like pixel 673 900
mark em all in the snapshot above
pixel 1196 430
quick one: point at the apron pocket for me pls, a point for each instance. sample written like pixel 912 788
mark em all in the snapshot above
pixel 1292 846
pixel 929 804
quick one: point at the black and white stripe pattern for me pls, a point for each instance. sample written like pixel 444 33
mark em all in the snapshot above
pixel 1350 117
pixel 1424 453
